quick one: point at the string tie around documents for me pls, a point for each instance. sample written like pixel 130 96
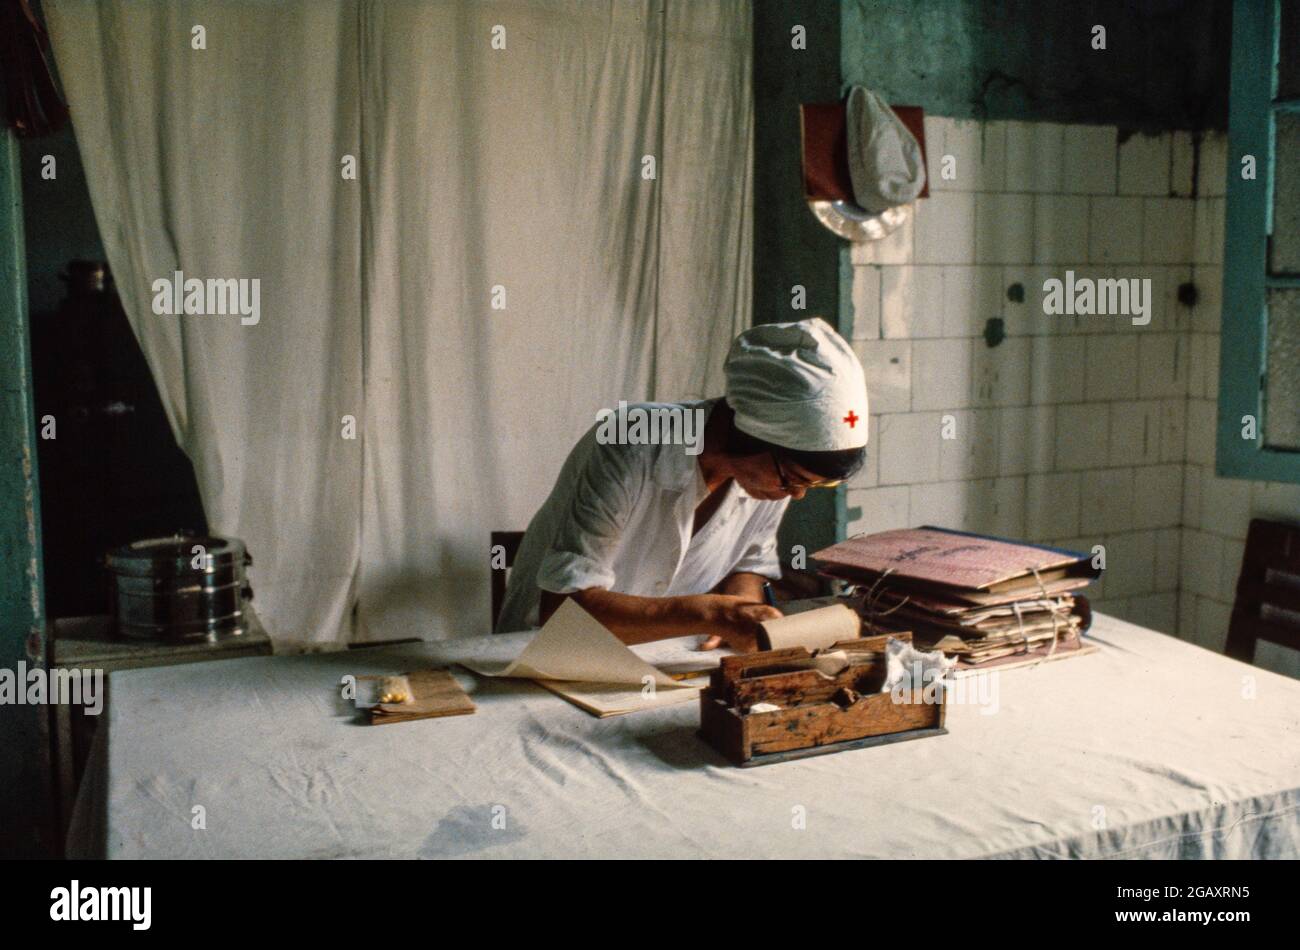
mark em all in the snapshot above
pixel 1054 607
pixel 872 597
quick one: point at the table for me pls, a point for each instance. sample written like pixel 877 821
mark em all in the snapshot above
pixel 1151 747
pixel 91 643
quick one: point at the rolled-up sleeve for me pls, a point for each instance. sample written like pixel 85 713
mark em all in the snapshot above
pixel 760 555
pixel 582 554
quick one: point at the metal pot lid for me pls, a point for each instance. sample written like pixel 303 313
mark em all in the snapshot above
pixel 855 223
pixel 178 554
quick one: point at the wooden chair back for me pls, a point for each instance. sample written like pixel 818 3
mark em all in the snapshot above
pixel 1268 590
pixel 509 541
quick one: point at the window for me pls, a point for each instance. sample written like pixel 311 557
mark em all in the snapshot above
pixel 1259 381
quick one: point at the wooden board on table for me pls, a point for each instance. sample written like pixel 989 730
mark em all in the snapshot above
pixel 434 693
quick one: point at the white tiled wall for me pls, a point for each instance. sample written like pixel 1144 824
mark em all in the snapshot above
pixel 1077 430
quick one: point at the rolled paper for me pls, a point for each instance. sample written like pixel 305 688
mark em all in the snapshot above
pixel 832 664
pixel 812 629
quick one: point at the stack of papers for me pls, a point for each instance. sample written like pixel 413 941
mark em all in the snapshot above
pixel 981 600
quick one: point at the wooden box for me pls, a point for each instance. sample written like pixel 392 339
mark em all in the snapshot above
pixel 819 713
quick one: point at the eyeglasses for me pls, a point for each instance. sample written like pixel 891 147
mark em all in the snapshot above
pixel 788 486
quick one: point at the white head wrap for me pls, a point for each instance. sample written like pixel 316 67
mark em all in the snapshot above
pixel 885 163
pixel 799 386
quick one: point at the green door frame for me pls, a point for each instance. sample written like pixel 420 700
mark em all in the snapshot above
pixel 1243 343
pixel 790 246
pixel 24 784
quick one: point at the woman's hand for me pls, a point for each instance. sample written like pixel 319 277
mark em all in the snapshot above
pixel 732 620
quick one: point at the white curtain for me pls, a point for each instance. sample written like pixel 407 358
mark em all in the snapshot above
pixel 225 162
pixel 499 269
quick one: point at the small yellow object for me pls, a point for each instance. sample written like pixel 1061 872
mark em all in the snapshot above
pixel 395 689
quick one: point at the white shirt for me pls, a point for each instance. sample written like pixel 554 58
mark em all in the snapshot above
pixel 620 518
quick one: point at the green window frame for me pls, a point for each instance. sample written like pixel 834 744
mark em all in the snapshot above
pixel 1243 367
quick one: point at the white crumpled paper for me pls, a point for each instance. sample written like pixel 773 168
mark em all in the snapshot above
pixel 909 668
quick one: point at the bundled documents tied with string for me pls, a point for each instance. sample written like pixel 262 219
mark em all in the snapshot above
pixel 984 601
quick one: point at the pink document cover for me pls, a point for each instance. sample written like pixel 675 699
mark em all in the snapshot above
pixel 951 558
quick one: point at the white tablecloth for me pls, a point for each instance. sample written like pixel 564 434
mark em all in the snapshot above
pixel 1150 748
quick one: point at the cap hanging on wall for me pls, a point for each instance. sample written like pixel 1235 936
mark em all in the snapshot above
pixel 885 162
pixel 863 163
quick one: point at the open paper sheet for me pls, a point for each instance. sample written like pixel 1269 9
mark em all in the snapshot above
pixel 578 659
